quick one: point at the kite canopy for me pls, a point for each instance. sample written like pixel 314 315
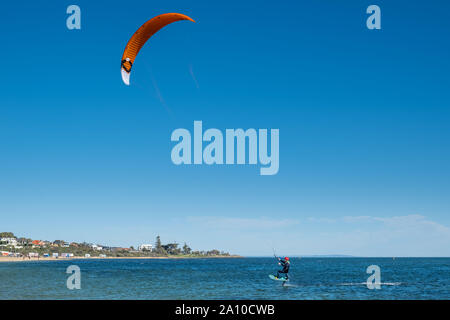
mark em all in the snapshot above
pixel 141 36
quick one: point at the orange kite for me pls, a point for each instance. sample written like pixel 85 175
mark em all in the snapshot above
pixel 141 36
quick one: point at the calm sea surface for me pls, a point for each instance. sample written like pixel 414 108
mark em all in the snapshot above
pixel 246 278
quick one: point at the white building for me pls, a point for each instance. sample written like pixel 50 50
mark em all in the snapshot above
pixel 145 247
pixel 96 247
pixel 9 241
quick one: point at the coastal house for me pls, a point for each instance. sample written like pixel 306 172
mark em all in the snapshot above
pixel 23 241
pixel 8 242
pixel 145 247
pixel 37 243
pixel 87 255
pixel 97 247
pixel 55 254
pixel 59 243
pixel 4 253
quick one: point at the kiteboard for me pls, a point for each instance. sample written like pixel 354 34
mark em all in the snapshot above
pixel 271 276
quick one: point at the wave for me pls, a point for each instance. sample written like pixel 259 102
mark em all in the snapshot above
pixel 365 283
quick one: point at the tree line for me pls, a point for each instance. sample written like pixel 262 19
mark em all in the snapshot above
pixel 80 249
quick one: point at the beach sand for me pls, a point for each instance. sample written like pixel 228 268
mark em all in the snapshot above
pixel 15 259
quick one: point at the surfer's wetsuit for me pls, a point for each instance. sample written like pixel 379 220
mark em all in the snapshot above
pixel 285 264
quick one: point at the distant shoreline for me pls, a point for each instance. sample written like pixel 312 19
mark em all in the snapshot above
pixel 19 259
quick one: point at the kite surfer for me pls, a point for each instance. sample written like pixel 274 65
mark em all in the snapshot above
pixel 285 264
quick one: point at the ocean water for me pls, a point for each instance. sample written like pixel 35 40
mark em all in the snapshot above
pixel 240 278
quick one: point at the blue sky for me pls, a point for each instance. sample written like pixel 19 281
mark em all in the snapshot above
pixel 363 118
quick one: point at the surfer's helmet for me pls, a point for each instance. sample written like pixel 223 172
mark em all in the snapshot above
pixel 286 258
